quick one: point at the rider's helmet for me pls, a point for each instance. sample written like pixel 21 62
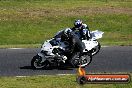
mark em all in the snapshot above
pixel 78 24
pixel 66 34
pixel 67 31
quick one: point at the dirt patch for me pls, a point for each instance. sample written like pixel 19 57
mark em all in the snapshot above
pixel 100 10
pixel 35 13
pixel 78 11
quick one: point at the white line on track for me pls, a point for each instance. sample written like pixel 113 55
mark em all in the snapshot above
pixel 16 48
pixel 21 76
pixel 104 46
pixel 44 75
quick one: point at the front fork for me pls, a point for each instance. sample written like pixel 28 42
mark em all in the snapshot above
pixel 41 55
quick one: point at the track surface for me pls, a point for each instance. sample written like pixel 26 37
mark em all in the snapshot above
pixel 16 62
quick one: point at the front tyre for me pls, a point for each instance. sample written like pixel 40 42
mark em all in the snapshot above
pixel 37 63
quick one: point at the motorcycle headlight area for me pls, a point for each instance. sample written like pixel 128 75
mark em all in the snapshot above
pixel 44 52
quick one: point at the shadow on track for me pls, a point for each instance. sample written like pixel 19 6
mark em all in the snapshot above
pixel 26 67
pixel 51 68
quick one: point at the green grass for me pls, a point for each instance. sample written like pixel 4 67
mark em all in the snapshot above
pixel 25 22
pixel 67 81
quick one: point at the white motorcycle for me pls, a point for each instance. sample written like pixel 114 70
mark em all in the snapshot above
pixel 51 53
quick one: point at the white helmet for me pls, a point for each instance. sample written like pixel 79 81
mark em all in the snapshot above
pixel 78 23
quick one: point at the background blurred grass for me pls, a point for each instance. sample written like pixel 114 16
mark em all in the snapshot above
pixel 33 21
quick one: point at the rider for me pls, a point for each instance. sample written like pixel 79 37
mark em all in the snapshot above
pixel 82 28
pixel 75 44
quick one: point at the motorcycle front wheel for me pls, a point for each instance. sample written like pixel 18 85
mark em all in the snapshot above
pixel 37 63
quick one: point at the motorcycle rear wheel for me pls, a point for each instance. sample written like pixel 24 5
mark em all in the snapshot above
pixel 84 61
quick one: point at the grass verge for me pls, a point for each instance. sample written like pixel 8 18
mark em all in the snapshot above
pixel 52 81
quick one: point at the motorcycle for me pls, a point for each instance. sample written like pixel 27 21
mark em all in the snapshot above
pixel 51 55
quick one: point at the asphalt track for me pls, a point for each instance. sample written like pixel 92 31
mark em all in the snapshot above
pixel 16 62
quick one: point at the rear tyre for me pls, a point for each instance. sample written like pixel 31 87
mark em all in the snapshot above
pixel 83 60
pixel 75 60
